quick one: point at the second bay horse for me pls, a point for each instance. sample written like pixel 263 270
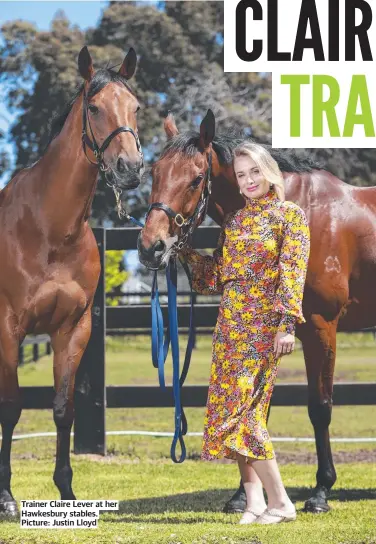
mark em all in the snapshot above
pixel 340 292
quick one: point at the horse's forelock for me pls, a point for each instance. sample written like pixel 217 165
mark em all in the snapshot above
pixel 104 76
pixel 185 143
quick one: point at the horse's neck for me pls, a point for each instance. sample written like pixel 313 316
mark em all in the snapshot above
pixel 314 188
pixel 225 197
pixel 66 180
pixel 297 187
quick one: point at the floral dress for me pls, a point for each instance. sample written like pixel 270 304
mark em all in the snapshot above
pixel 259 267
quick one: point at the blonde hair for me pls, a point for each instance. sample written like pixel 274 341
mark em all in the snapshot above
pixel 268 166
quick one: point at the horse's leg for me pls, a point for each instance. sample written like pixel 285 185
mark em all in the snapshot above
pixel 69 346
pixel 238 501
pixel 10 411
pixel 319 346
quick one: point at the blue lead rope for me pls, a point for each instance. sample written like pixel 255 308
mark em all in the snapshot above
pixel 161 343
pixel 191 335
pixel 134 220
pixel 173 326
pixel 160 346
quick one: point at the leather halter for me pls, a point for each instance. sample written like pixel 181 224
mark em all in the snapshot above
pixel 189 224
pixel 92 144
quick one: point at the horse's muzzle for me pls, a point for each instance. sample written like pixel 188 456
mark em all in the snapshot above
pixel 154 256
pixel 129 179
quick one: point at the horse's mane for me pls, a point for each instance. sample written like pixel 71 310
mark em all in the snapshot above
pixel 100 80
pixel 223 145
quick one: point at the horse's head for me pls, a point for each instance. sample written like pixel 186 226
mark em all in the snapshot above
pixel 179 192
pixel 110 121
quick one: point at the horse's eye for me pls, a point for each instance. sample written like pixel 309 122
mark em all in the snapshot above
pixel 195 184
pixel 93 109
pixel 138 109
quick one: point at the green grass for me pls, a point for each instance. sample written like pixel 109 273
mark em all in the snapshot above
pixel 128 361
pixel 347 421
pixel 171 504
pixel 166 503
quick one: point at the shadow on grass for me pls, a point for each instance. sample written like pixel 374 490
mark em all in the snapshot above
pixel 342 495
pixel 9 519
pixel 211 501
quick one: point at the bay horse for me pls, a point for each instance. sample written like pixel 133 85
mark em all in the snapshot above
pixel 50 260
pixel 340 290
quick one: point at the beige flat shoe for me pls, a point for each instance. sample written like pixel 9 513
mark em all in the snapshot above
pixel 275 516
pixel 249 516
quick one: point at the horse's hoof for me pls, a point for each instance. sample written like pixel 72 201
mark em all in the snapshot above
pixel 316 505
pixel 237 503
pixel 9 509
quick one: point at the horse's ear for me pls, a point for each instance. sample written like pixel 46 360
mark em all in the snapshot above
pixel 128 68
pixel 170 126
pixel 85 64
pixel 207 130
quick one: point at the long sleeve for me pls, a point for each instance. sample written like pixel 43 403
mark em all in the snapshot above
pixel 206 269
pixel 293 264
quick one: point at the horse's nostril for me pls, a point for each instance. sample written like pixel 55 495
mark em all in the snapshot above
pixel 121 165
pixel 160 246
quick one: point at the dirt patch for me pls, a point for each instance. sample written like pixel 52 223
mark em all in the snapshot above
pixel 296 457
pixel 309 458
pixel 292 374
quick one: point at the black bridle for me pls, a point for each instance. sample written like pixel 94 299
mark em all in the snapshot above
pixel 189 224
pixel 92 144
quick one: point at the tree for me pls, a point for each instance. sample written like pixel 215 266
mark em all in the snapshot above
pixel 4 157
pixel 115 276
pixel 180 50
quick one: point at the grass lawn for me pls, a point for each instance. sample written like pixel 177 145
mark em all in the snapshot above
pixel 167 503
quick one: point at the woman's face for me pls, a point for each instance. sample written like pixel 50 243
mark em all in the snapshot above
pixel 252 183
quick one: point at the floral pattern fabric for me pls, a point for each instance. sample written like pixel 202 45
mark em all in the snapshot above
pixel 259 267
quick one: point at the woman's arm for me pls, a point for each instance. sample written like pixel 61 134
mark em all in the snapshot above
pixel 206 269
pixel 293 264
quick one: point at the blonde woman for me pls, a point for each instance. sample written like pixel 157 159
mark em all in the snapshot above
pixel 260 268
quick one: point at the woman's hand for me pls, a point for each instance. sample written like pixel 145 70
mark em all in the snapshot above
pixel 186 250
pixel 284 344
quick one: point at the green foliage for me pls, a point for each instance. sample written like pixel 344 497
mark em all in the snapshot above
pixel 115 276
pixel 180 51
